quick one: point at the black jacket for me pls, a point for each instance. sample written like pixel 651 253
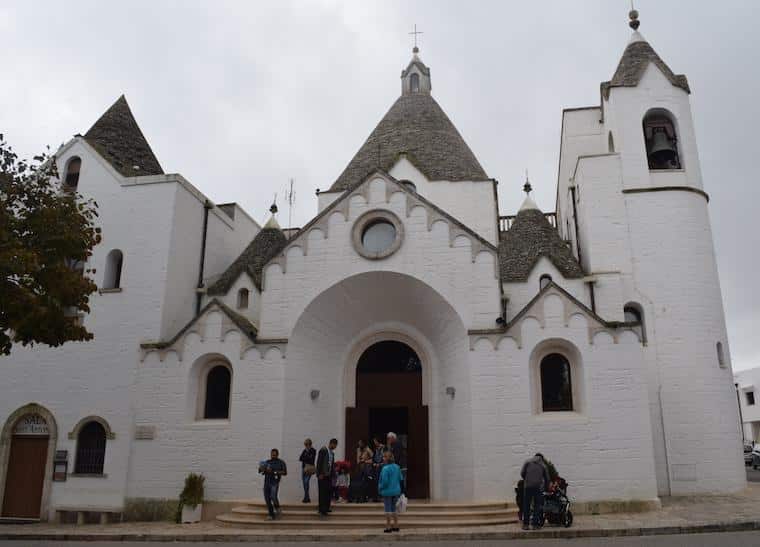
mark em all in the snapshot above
pixel 307 456
pixel 323 462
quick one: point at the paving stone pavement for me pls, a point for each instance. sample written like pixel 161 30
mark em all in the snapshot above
pixel 691 514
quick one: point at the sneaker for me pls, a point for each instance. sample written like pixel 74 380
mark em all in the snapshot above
pixel 270 517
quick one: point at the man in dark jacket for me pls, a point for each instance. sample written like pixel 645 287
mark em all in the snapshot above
pixel 536 478
pixel 325 463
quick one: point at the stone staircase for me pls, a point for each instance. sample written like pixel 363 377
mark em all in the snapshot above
pixel 419 514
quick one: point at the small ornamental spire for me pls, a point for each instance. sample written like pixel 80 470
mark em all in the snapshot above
pixel 527 188
pixel 272 222
pixel 273 208
pixel 415 32
pixel 634 18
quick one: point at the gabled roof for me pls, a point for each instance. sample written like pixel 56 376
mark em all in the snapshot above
pixel 117 137
pixel 529 238
pixel 415 125
pixel 634 62
pixel 268 243
pixel 241 322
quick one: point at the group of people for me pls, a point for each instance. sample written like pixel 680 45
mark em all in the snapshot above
pixel 378 476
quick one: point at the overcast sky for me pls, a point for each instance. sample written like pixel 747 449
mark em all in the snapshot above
pixel 241 96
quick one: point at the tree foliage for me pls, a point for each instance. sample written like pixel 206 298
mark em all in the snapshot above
pixel 46 237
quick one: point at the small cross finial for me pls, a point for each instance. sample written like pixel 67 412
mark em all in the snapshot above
pixel 415 32
pixel 634 18
pixel 527 188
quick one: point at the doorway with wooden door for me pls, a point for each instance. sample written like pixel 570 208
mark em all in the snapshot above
pixel 25 471
pixel 389 399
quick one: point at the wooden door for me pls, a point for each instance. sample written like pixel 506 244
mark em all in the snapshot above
pixel 357 425
pixel 418 455
pixel 25 477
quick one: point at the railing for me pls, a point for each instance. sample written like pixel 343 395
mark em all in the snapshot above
pixel 505 222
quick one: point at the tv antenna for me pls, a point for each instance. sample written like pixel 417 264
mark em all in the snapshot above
pixel 290 197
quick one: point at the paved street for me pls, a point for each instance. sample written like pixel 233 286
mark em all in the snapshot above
pixel 753 475
pixel 738 539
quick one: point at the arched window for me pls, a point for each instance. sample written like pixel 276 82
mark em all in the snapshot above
pixel 91 449
pixel 633 313
pixel 242 299
pixel 721 356
pixel 414 82
pixel 556 384
pixel 217 402
pixel 543 281
pixel 71 180
pixel 610 143
pixel 661 140
pixel 114 262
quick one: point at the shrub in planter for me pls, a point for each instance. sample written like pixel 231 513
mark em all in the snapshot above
pixel 191 496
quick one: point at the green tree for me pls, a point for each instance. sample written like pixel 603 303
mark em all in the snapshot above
pixel 46 236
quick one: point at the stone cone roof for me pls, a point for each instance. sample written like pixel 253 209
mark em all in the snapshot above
pixel 117 137
pixel 265 246
pixel 636 57
pixel 529 238
pixel 417 126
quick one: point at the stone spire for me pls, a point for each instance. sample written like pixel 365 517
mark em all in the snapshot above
pixel 415 78
pixel 528 203
pixel 272 222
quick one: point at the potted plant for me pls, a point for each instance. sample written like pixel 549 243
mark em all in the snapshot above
pixel 191 499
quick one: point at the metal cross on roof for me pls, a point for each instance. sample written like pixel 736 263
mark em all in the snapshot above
pixel 415 32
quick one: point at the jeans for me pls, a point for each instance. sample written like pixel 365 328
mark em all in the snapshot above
pixel 536 497
pixel 306 479
pixel 271 490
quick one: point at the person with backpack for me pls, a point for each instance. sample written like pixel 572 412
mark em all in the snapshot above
pixel 389 487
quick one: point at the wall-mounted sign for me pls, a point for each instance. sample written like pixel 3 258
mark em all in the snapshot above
pixel 60 465
pixel 31 424
pixel 145 432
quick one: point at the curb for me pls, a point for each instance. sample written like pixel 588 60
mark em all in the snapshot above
pixel 564 533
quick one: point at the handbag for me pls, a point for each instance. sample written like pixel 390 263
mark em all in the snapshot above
pixel 309 469
pixel 401 504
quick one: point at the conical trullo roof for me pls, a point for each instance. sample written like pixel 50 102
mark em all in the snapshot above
pixel 636 57
pixel 265 246
pixel 117 137
pixel 529 238
pixel 417 126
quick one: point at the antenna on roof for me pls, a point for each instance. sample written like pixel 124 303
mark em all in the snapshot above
pixel 290 197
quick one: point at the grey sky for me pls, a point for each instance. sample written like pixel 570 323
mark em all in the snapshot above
pixel 240 96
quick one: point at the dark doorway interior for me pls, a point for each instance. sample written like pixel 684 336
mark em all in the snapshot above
pixel 389 398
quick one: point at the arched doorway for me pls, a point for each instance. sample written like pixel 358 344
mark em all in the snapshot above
pixel 389 398
pixel 28 456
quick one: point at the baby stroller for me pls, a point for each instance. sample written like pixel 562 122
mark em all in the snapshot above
pixel 557 504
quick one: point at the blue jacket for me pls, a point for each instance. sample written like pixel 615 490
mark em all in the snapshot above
pixel 390 481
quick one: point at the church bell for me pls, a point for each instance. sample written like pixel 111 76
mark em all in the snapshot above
pixel 662 151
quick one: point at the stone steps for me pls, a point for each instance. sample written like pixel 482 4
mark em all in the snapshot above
pixel 368 515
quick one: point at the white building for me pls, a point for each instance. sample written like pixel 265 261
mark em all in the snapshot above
pixel 747 384
pixel 594 333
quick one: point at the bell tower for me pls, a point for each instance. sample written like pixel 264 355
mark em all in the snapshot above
pixel 415 78
pixel 669 269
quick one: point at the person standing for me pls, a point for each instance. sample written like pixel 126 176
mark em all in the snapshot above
pixel 273 470
pixel 536 478
pixel 308 455
pixel 364 471
pixel 325 467
pixel 377 464
pixel 394 445
pixel 389 487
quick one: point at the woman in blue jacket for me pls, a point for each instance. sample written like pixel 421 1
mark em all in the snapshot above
pixel 389 487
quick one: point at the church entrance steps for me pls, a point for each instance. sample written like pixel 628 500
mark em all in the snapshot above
pixel 367 515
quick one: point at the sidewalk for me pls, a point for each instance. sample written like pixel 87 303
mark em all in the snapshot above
pixel 678 515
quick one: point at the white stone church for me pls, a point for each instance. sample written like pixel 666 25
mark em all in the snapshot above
pixel 593 333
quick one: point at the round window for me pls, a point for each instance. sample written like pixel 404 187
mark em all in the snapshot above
pixel 378 237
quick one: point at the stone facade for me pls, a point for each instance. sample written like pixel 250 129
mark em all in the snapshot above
pixel 653 409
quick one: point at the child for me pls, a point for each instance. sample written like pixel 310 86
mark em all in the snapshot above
pixel 343 480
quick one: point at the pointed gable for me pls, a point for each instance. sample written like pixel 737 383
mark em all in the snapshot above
pixel 529 238
pixel 634 62
pixel 117 137
pixel 417 126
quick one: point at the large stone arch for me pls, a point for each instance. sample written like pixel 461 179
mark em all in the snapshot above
pixel 6 437
pixel 332 332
